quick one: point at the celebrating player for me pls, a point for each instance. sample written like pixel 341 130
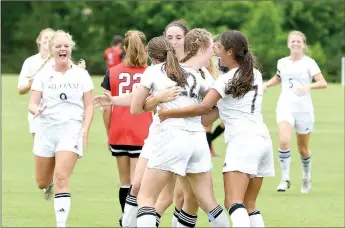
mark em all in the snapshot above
pixel 295 108
pixel 62 99
pixel 238 95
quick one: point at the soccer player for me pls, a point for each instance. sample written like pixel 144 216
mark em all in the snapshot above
pixel 238 95
pixel 180 146
pixel 62 99
pixel 126 133
pixel 114 55
pixel 295 108
pixel 32 66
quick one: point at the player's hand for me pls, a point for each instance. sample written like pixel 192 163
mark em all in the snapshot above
pixel 162 112
pixel 82 63
pixel 102 100
pixel 39 111
pixel 302 91
pixel 170 94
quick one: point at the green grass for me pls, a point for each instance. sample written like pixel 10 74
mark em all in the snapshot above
pixel 95 182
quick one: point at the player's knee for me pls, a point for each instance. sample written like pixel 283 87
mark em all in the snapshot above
pixel 303 149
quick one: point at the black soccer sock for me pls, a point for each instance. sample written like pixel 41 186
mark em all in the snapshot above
pixel 217 132
pixel 123 192
pixel 209 138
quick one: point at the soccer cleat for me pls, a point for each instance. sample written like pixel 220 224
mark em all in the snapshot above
pixel 48 192
pixel 306 186
pixel 283 186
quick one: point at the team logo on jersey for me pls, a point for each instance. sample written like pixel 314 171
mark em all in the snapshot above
pixel 63 85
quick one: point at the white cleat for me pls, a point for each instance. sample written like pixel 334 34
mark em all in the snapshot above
pixel 48 192
pixel 283 186
pixel 306 186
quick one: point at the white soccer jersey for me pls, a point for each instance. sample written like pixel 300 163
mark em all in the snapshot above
pixel 30 67
pixel 241 115
pixel 155 78
pixel 296 74
pixel 62 93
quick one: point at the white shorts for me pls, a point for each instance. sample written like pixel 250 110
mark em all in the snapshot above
pixel 34 123
pixel 302 122
pixel 180 152
pixel 50 139
pixel 250 154
pixel 146 152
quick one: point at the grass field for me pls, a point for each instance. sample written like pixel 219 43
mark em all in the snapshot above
pixel 95 181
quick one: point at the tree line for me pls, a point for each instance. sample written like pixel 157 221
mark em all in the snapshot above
pixel 92 25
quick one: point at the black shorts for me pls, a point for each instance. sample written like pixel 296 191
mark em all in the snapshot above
pixel 125 150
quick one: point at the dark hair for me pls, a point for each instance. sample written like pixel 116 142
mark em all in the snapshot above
pixel 178 23
pixel 243 79
pixel 195 39
pixel 134 43
pixel 117 39
pixel 160 48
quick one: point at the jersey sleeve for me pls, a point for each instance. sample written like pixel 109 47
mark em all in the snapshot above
pixel 106 81
pixel 314 68
pixel 88 84
pixel 22 80
pixel 148 78
pixel 219 85
pixel 37 84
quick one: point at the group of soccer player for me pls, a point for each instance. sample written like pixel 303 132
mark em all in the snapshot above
pixel 155 119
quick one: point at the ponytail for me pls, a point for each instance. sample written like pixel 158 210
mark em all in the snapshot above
pixel 173 68
pixel 135 42
pixel 243 79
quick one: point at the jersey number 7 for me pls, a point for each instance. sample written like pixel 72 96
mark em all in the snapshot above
pixel 255 88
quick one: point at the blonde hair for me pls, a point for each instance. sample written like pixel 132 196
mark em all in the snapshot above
pixel 212 68
pixel 195 39
pixel 60 32
pixel 135 49
pixel 39 37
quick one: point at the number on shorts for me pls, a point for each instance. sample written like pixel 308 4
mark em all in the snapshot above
pixel 255 88
pixel 63 96
pixel 290 83
pixel 127 81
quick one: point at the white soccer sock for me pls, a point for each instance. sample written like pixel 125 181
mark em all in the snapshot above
pixel 239 215
pixel 129 218
pixel 175 217
pixel 285 161
pixel 218 218
pixel 158 219
pixel 186 220
pixel 146 217
pixel 306 164
pixel 62 205
pixel 256 219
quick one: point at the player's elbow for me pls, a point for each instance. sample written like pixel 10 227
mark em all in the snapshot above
pixel 324 84
pixel 21 91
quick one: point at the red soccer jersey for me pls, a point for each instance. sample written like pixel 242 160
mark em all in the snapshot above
pixel 125 128
pixel 113 56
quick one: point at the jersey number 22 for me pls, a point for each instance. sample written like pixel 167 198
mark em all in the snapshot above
pixel 124 86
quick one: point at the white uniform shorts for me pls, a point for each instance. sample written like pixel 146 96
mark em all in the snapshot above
pixel 33 123
pixel 180 152
pixel 302 122
pixel 146 152
pixel 250 154
pixel 50 139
